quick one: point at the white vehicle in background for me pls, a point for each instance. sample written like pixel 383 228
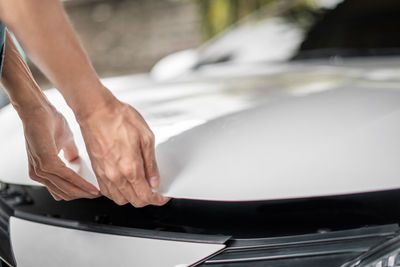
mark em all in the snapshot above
pixel 282 158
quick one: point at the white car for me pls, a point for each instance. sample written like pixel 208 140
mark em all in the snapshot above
pixel 290 160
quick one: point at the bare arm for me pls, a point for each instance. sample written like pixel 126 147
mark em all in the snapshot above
pixel 119 142
pixel 46 35
pixel 42 122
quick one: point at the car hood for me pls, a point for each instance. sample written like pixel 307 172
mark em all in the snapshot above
pixel 272 132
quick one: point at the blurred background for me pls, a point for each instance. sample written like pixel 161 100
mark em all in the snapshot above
pixel 130 36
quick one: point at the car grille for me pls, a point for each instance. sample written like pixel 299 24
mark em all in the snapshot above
pixel 320 249
pixel 247 229
pixel 6 253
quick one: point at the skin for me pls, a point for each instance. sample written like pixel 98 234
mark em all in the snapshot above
pixel 119 142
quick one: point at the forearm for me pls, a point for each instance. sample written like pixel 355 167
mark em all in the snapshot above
pixel 25 95
pixel 49 40
pixel 46 131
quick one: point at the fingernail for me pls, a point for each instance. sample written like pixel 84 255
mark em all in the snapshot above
pixel 94 192
pixel 154 181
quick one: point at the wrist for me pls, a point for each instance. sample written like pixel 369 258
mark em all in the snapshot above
pixel 37 110
pixel 99 100
pixel 32 102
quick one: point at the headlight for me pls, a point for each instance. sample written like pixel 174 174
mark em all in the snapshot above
pixel 384 255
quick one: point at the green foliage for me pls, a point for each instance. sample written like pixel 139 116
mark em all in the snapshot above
pixel 217 15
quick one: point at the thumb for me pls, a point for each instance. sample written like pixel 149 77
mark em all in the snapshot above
pixel 70 150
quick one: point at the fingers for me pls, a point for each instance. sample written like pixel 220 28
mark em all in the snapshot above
pixel 68 188
pixel 43 142
pixel 52 165
pixel 150 165
pixel 64 182
pixel 46 183
pixel 121 149
pixel 103 188
pixel 119 189
pixel 56 193
pixel 149 159
pixel 140 184
pixel 117 196
pixel 75 179
pixel 126 182
pixel 70 150
pixel 136 180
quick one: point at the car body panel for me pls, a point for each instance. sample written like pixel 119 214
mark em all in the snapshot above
pixel 302 128
pixel 31 239
pixel 330 143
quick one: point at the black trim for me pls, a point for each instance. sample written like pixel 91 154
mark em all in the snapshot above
pixel 124 231
pixel 6 253
pixel 256 232
pixel 252 220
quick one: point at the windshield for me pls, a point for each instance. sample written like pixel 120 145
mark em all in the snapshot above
pixel 303 29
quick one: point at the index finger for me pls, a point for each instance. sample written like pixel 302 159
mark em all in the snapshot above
pixel 69 175
pixel 141 185
pixel 149 159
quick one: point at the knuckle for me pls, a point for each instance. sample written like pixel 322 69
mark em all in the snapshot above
pixel 139 204
pixel 68 198
pixel 33 176
pixel 133 179
pixel 148 139
pixel 72 195
pixel 115 178
pixel 44 165
pixel 105 193
pixel 121 184
pixel 108 196
pixel 151 135
pixel 120 202
pixel 55 197
pixel 127 167
pixel 36 170
pixel 152 165
pixel 144 197
pixel 31 172
pixel 45 170
pixel 161 202
pixel 40 174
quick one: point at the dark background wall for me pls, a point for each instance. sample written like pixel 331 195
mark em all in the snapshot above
pixel 129 36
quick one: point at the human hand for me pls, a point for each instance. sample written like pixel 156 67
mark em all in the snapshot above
pixel 46 133
pixel 120 145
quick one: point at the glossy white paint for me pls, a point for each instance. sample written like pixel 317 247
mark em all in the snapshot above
pixel 38 245
pixel 176 117
pixel 297 131
pixel 329 143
